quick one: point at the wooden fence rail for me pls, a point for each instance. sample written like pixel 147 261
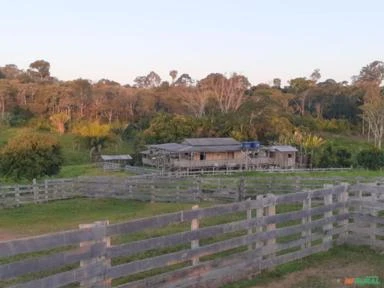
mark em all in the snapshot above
pixel 165 189
pixel 202 247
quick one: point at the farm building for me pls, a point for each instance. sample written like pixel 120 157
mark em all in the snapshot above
pixel 195 153
pixel 115 162
pixel 215 153
pixel 281 156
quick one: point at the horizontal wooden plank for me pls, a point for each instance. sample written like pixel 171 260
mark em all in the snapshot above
pixel 64 278
pixel 49 241
pixel 371 188
pixel 278 260
pixel 212 231
pixel 376 205
pixel 184 255
pixel 365 230
pixel 217 275
pixel 50 262
pixel 182 216
pixel 367 218
pixel 366 242
pixel 174 277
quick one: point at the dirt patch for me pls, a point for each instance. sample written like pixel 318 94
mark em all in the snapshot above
pixel 327 275
pixel 6 235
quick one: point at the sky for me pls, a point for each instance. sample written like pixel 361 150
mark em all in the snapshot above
pixel 261 39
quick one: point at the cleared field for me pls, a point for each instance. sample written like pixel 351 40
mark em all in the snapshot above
pixel 55 216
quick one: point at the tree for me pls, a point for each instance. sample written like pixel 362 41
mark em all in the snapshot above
pixel 5 91
pixel 310 144
pixel 277 83
pixel 152 80
pixel 82 92
pixel 41 67
pixel 315 76
pixel 195 99
pixel 11 71
pixel 369 80
pixel 140 82
pixel 228 92
pixel 173 74
pixel 59 120
pixel 30 155
pixel 169 128
pixel 184 80
pixel 95 135
pixel 300 87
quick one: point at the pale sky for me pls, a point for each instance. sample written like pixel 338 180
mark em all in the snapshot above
pixel 120 40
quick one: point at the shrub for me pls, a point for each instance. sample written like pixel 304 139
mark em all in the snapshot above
pixel 335 157
pixel 19 116
pixel 372 159
pixel 30 155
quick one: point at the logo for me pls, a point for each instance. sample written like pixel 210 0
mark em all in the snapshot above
pixel 360 281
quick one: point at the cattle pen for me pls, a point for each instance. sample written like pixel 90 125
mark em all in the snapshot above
pixel 202 247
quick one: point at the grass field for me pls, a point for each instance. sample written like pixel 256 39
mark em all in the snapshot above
pixel 35 219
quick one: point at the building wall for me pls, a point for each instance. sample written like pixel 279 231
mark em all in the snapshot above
pixel 281 159
pixel 218 155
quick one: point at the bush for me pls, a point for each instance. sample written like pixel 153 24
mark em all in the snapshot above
pixel 19 116
pixel 30 156
pixel 335 157
pixel 372 159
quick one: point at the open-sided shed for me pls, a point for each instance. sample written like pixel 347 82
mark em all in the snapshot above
pixel 114 162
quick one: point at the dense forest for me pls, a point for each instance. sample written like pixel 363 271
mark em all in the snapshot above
pixel 155 110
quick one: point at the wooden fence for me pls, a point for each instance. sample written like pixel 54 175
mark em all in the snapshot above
pixel 199 247
pixel 16 195
pixel 166 189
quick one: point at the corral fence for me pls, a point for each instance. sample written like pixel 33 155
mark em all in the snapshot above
pixel 202 247
pixel 165 188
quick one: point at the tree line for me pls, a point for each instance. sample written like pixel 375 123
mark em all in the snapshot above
pixel 155 110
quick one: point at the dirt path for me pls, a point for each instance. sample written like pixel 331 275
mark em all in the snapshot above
pixel 325 276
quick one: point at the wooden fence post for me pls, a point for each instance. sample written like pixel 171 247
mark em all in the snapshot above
pixel 17 195
pixel 327 228
pixel 307 204
pixel 35 191
pixel 99 230
pixel 199 190
pixel 259 228
pixel 343 198
pixel 153 195
pixel 372 225
pixel 241 189
pixel 195 243
pixel 270 211
pixel 249 217
pixel 46 189
pixel 130 190
pixel 297 184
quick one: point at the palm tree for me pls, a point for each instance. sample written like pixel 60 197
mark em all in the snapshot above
pixel 311 143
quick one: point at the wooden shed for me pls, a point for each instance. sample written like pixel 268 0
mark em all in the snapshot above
pixel 115 162
pixel 282 156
